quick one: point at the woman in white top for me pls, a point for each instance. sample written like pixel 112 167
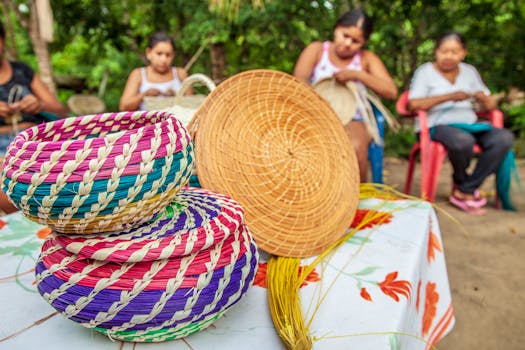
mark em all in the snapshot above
pixel 157 79
pixel 447 88
pixel 346 59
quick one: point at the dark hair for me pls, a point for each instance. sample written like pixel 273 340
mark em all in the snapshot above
pixel 160 37
pixel 358 18
pixel 2 31
pixel 451 35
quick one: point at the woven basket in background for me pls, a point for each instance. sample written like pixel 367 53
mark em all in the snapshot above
pixel 277 147
pixel 182 106
pixel 86 104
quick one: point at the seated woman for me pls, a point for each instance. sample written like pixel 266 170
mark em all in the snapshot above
pixel 346 59
pixel 23 97
pixel 159 78
pixel 447 88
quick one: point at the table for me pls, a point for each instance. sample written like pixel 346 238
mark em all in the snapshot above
pixel 387 288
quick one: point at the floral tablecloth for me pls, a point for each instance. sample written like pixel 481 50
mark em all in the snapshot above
pixel 384 288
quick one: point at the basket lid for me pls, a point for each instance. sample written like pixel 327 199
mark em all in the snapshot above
pixel 341 97
pixel 274 145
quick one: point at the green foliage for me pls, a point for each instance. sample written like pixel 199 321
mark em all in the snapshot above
pixel 398 144
pixel 515 119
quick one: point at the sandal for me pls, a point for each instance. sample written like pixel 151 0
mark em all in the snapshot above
pixel 467 205
pixel 477 202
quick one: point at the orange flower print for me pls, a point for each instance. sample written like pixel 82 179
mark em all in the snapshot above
pixel 392 288
pixel 363 214
pixel 43 232
pixel 365 295
pixel 417 295
pixel 433 245
pixel 260 277
pixel 431 300
pixel 312 277
pixel 2 223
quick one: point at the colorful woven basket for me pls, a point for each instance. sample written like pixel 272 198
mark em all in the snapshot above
pixel 274 145
pixel 98 173
pixel 165 280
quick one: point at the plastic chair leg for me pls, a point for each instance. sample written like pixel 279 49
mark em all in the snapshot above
pixel 411 164
pixel 438 155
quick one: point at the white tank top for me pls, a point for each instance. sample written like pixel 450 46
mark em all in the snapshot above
pixel 325 68
pixel 174 84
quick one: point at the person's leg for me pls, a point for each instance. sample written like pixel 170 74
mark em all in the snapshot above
pixel 494 144
pixel 360 139
pixel 459 145
pixel 5 204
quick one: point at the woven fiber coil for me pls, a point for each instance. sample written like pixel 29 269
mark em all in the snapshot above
pixel 155 300
pixel 277 148
pixel 195 221
pixel 346 99
pixel 98 173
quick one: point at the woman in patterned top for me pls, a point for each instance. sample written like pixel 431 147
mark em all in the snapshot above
pixel 346 59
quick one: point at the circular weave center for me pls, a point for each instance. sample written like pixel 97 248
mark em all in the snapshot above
pixel 274 145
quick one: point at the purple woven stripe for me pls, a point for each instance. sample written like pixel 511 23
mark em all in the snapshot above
pixel 211 208
pixel 109 163
pixel 144 302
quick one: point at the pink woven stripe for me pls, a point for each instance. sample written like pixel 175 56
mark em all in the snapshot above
pixel 169 127
pixel 232 249
pixel 92 246
pixel 46 148
pixel 82 126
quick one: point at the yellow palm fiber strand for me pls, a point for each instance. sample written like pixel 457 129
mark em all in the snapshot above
pixel 380 191
pixel 283 282
pixel 284 277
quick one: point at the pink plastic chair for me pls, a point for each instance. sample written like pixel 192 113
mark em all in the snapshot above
pixel 432 153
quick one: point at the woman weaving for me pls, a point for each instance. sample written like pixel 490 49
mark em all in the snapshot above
pixel 346 59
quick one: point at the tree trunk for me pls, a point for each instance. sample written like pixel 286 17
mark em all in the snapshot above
pixel 10 47
pixel 218 62
pixel 41 50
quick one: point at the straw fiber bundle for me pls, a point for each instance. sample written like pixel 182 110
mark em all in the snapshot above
pixel 98 173
pixel 276 147
pixel 349 98
pixel 196 272
pixel 343 98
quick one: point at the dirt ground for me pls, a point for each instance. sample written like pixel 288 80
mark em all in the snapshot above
pixel 485 262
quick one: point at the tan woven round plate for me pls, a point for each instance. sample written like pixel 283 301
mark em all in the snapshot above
pixel 341 97
pixel 276 147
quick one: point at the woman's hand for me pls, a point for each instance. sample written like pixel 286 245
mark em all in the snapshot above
pixel 170 92
pixel 347 75
pixel 5 111
pixel 487 102
pixel 459 96
pixel 152 92
pixel 28 104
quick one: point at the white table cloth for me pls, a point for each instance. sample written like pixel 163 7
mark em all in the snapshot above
pixel 386 288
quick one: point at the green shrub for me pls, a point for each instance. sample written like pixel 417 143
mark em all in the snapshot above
pixel 398 144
